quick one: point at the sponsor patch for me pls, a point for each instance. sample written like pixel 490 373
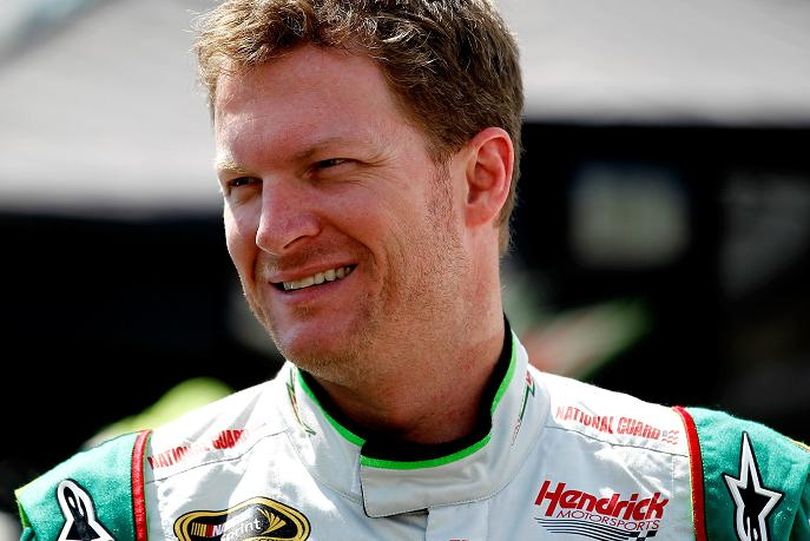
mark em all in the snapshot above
pixel 226 439
pixel 752 500
pixel 610 424
pixel 79 511
pixel 257 519
pixel 610 517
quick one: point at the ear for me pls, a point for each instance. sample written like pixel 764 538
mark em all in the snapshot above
pixel 488 175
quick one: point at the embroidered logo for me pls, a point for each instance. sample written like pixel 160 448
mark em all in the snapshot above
pixel 257 519
pixel 79 510
pixel 604 516
pixel 226 439
pixel 753 501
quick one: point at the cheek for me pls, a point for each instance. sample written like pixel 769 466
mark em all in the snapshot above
pixel 239 239
pixel 361 214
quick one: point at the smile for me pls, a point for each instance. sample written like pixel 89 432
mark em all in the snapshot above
pixel 330 275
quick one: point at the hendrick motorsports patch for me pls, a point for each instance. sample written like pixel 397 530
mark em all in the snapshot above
pixel 257 519
pixel 602 516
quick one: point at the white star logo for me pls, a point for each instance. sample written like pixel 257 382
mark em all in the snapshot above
pixel 754 502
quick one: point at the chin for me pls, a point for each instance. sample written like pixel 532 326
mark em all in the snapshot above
pixel 335 358
pixel 310 349
pixel 332 366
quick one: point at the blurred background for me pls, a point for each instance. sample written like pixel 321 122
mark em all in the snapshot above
pixel 662 239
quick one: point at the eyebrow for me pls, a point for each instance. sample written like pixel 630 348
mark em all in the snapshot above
pixel 329 143
pixel 322 144
pixel 228 166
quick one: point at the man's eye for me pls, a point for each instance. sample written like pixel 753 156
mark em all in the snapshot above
pixel 242 181
pixel 331 162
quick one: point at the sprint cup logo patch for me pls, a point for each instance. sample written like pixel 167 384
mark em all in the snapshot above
pixel 257 519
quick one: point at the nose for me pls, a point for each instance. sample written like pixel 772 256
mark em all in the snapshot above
pixel 287 216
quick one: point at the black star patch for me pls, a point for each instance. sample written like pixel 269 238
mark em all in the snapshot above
pixel 753 501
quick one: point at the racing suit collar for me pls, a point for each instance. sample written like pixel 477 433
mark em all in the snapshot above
pixel 394 477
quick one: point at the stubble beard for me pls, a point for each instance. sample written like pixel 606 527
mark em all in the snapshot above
pixel 410 310
pixel 329 362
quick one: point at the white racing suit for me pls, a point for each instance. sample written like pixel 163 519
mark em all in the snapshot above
pixel 552 459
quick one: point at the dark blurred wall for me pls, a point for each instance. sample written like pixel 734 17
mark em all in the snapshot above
pixel 726 285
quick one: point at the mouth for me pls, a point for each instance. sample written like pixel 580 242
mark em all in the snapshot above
pixel 331 275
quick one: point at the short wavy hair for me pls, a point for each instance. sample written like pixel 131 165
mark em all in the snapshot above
pixel 452 64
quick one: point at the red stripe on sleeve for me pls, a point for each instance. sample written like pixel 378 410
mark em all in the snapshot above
pixel 138 497
pixel 696 469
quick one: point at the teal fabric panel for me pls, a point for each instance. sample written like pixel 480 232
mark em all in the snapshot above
pixel 89 494
pixel 754 479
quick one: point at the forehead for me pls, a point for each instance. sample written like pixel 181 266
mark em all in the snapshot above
pixel 310 92
pixel 304 68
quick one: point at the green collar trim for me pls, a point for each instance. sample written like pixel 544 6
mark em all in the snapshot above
pixel 342 430
pixel 419 464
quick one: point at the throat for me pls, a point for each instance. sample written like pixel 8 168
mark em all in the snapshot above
pixel 450 405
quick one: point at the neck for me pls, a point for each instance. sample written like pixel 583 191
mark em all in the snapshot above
pixel 431 398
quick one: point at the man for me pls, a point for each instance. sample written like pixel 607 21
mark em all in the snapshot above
pixel 366 152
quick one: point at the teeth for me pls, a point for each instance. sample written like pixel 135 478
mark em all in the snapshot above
pixel 318 278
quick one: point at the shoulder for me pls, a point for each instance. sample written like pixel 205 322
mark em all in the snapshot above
pixel 752 477
pixel 91 492
pixel 99 490
pixel 231 409
pixel 722 436
pixel 217 431
pixel 744 477
pixel 612 417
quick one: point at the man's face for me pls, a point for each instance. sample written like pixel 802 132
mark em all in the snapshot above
pixel 348 239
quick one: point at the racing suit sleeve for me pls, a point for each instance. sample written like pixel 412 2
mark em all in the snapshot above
pixel 96 494
pixel 748 481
